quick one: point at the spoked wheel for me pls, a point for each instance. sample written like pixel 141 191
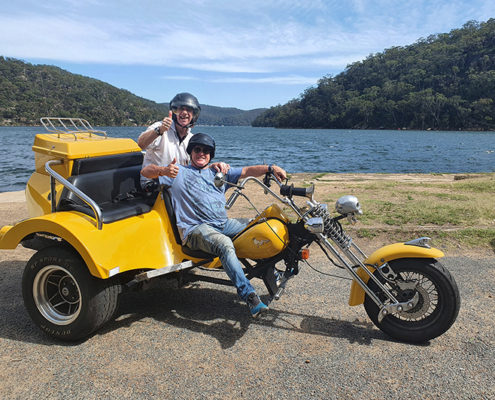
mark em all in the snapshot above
pixel 436 309
pixel 63 298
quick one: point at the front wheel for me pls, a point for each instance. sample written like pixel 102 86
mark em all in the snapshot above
pixel 436 310
pixel 63 298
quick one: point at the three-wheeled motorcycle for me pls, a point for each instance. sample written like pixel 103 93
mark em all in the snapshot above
pixel 97 233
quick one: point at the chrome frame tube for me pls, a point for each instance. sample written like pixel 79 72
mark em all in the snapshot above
pixel 359 250
pixel 347 252
pixel 87 128
pixel 285 200
pixel 353 273
pixel 84 197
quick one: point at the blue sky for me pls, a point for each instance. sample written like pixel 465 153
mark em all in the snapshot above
pixel 249 54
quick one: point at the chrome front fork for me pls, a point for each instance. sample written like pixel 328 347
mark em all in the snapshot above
pixel 395 307
pixel 333 231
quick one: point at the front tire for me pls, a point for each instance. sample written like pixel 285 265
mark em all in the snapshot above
pixel 63 299
pixel 436 310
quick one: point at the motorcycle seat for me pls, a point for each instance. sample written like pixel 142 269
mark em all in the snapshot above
pixel 113 182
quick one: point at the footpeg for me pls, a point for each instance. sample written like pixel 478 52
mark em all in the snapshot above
pixel 279 293
pixel 281 289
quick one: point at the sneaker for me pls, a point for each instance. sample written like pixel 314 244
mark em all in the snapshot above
pixel 255 304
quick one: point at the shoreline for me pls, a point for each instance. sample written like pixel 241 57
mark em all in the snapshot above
pixel 430 129
pixel 326 177
pixel 374 232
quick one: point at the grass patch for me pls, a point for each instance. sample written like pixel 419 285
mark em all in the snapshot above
pixel 366 233
pixel 484 238
pixel 379 185
pixel 442 239
pixel 459 204
pixel 463 211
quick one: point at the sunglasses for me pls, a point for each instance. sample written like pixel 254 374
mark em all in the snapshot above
pixel 178 110
pixel 205 150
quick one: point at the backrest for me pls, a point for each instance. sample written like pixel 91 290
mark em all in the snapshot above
pixel 87 165
pixel 105 186
pixel 167 198
pixel 104 178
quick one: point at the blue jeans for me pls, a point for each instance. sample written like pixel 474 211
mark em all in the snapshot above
pixel 219 242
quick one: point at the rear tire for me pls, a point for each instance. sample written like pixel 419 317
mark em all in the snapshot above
pixel 61 296
pixel 438 306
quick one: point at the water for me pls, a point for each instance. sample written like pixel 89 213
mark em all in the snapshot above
pixel 299 150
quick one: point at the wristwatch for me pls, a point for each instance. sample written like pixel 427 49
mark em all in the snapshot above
pixel 157 131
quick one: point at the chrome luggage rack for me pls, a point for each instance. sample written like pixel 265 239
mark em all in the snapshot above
pixel 79 125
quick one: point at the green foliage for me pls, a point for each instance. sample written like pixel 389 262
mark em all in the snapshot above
pixel 29 92
pixel 446 81
pixel 219 116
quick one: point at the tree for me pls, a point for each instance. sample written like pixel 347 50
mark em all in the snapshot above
pixel 442 82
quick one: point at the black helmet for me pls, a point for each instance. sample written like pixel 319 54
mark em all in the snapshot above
pixel 202 139
pixel 188 100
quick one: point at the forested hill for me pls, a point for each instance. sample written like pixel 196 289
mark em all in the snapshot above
pixel 29 92
pixel 211 115
pixel 446 81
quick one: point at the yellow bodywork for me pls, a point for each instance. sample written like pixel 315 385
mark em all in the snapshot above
pixel 67 148
pixel 140 242
pixel 386 254
pixel 264 237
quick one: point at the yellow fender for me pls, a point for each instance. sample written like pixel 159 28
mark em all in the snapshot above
pixel 386 254
pixel 140 242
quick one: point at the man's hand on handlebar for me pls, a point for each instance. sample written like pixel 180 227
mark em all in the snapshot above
pixel 220 167
pixel 278 173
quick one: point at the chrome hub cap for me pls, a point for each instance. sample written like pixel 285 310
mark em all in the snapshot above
pixel 57 295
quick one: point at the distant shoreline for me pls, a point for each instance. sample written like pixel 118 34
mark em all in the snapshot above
pixel 272 127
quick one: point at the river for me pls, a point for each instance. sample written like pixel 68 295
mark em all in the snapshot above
pixel 299 150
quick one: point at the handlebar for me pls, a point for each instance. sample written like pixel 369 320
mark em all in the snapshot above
pixel 232 199
pixel 285 190
pixel 290 191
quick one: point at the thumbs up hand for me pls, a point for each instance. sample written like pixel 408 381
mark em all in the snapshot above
pixel 167 121
pixel 171 170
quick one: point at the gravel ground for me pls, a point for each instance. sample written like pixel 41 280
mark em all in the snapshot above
pixel 201 342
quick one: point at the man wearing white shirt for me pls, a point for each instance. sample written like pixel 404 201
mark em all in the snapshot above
pixel 166 141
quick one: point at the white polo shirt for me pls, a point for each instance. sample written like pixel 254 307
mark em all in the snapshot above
pixel 165 148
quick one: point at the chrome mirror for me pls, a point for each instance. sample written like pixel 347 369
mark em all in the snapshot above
pixel 219 180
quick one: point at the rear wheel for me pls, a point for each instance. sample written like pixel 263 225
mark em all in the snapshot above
pixel 438 304
pixel 63 298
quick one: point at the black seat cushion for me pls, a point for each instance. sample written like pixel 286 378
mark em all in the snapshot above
pixel 116 191
pixel 111 212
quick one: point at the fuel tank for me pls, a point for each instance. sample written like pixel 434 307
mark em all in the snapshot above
pixel 266 236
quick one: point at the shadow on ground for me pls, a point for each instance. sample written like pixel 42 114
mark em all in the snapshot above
pixel 205 310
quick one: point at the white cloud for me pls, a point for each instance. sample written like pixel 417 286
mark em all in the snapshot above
pixel 223 36
pixel 278 80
